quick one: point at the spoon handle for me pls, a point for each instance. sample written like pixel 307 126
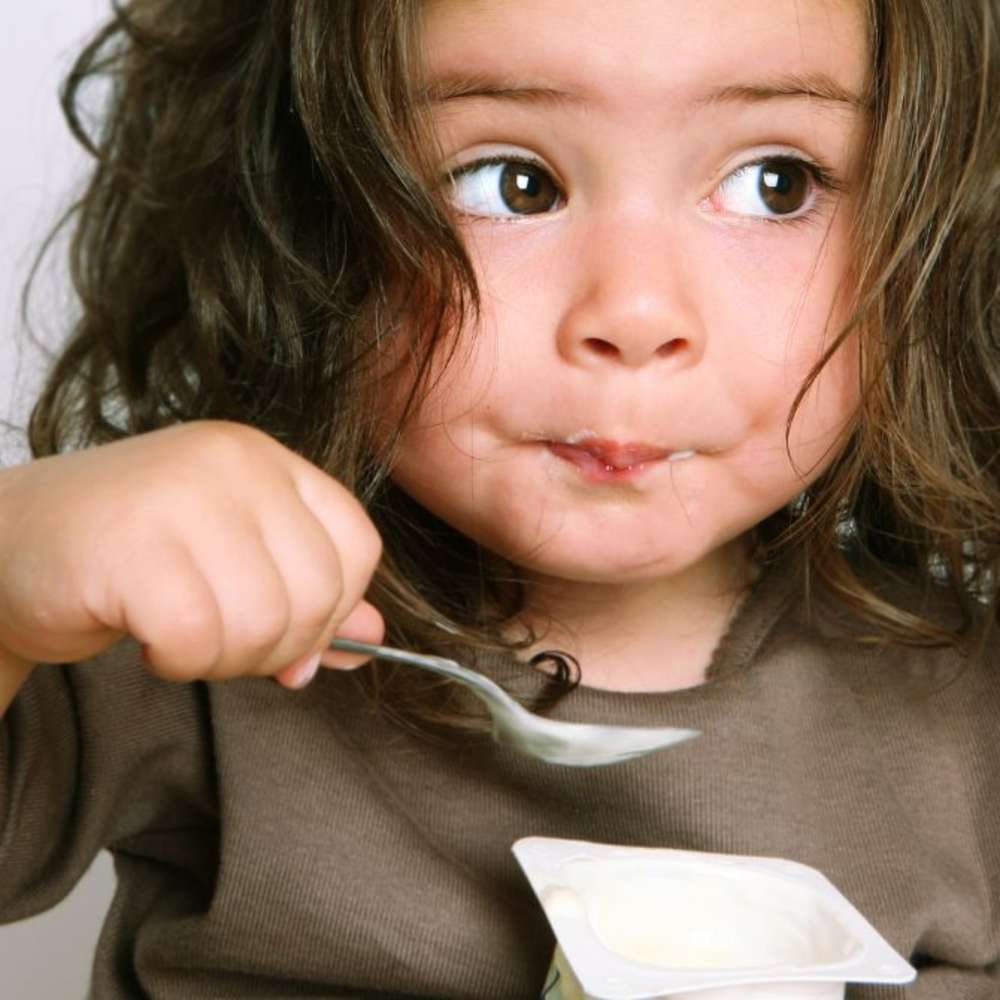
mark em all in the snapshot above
pixel 483 686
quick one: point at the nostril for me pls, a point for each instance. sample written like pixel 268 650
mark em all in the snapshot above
pixel 602 347
pixel 670 347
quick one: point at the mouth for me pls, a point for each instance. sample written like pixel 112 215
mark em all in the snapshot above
pixel 605 460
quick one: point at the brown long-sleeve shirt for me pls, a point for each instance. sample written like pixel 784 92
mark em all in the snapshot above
pixel 277 844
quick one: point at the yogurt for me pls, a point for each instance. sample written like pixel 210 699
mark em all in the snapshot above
pixel 637 923
pixel 685 915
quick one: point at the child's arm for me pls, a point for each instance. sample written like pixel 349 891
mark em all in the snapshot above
pixel 221 551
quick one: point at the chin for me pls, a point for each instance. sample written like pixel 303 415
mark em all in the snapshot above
pixel 611 564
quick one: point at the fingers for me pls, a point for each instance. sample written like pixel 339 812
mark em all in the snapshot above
pixel 338 513
pixel 342 517
pixel 170 607
pixel 364 623
pixel 261 593
pixel 326 583
pixel 299 674
pixel 223 552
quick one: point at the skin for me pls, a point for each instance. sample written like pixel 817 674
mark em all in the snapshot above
pixel 650 304
pixel 220 550
pixel 646 307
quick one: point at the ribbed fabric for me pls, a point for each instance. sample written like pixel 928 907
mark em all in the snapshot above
pixel 277 844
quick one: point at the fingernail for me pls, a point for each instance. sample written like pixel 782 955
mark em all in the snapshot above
pixel 304 671
pixel 344 661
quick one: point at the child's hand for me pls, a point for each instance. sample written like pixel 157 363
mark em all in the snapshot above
pixel 221 551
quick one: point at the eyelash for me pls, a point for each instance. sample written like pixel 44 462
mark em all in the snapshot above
pixel 824 180
pixel 500 161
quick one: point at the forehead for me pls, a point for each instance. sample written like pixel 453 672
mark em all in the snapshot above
pixel 646 52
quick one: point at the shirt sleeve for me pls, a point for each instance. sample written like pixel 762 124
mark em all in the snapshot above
pixel 93 756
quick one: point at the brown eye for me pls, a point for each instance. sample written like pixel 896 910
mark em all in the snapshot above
pixel 504 188
pixel 775 188
pixel 527 189
pixel 784 186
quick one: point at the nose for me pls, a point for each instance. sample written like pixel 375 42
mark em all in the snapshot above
pixel 631 303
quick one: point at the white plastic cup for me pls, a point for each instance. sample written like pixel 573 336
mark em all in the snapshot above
pixel 658 924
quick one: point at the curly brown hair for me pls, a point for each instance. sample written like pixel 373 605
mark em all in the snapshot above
pixel 259 218
pixel 918 486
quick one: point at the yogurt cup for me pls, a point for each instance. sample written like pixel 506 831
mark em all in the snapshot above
pixel 641 923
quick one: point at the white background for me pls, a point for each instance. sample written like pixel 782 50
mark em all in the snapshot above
pixel 47 957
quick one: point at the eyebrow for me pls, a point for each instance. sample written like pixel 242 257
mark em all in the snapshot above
pixel 814 86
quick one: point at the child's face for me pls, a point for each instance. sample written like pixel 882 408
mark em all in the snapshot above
pixel 651 205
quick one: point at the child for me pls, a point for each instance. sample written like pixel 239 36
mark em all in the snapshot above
pixel 647 346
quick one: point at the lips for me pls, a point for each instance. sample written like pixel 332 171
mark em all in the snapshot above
pixel 601 460
pixel 614 454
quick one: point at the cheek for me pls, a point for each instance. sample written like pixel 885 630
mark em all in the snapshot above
pixel 790 317
pixel 424 377
pixel 786 322
pixel 826 413
pixel 472 375
pixel 836 390
pixel 833 397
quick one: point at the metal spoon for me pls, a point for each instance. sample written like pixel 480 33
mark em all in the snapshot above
pixel 573 743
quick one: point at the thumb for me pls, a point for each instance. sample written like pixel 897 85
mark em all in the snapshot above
pixel 363 624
